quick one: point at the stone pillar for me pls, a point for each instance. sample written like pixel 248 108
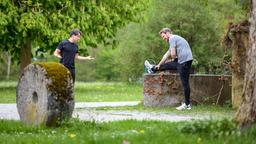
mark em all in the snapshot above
pixel 162 90
pixel 45 94
pixel 165 89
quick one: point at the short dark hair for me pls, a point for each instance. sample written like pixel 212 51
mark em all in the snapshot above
pixel 165 30
pixel 75 32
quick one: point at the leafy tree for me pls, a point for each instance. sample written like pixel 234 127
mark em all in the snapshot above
pixel 33 23
pixel 8 69
pixel 246 115
pixel 201 23
pixel 106 65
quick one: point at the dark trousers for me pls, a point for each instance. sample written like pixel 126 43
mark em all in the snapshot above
pixel 184 71
pixel 73 74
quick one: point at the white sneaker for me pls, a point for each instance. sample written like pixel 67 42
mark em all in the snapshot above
pixel 148 66
pixel 189 107
pixel 184 107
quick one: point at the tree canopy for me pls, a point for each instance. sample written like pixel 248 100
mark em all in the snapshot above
pixel 44 23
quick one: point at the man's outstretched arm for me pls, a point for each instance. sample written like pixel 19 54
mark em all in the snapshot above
pixel 84 58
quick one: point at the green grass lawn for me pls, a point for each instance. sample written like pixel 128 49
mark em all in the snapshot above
pixel 8 92
pixel 86 92
pixel 107 91
pixel 129 131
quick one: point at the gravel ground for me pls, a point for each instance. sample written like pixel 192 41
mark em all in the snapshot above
pixel 86 111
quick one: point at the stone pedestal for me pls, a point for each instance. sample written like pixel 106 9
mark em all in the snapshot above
pixel 161 90
pixel 45 94
pixel 165 89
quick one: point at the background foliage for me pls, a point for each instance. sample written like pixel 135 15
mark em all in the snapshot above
pixel 202 23
pixel 43 24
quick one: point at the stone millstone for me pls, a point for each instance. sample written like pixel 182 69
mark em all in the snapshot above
pixel 45 94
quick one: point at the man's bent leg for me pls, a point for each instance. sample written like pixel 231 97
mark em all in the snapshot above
pixel 172 65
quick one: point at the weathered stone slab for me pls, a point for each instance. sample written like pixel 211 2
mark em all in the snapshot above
pixel 165 89
pixel 45 94
pixel 161 90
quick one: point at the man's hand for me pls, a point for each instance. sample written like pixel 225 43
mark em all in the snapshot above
pixel 57 53
pixel 157 67
pixel 90 58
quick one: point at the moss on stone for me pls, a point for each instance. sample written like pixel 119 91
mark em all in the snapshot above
pixel 60 77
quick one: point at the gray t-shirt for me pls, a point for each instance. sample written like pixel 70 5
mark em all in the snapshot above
pixel 183 50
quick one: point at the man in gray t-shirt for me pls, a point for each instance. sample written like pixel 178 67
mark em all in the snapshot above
pixel 182 58
pixel 183 50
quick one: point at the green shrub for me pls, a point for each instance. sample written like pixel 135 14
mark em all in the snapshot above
pixel 214 128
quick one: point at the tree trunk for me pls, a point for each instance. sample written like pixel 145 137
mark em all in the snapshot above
pixel 9 63
pixel 246 115
pixel 25 55
pixel 239 34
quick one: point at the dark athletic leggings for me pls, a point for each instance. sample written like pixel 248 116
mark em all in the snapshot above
pixel 73 74
pixel 184 71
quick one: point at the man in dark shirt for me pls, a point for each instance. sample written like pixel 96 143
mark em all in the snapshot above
pixel 67 51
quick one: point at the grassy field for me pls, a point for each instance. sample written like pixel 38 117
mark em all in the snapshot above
pixel 86 92
pixel 8 92
pixel 127 132
pixel 107 91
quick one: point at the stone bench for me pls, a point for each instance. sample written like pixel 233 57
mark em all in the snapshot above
pixel 165 89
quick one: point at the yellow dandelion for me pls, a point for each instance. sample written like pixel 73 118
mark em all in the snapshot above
pixel 72 135
pixel 199 140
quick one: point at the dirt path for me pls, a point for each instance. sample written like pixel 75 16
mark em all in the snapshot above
pixel 86 111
